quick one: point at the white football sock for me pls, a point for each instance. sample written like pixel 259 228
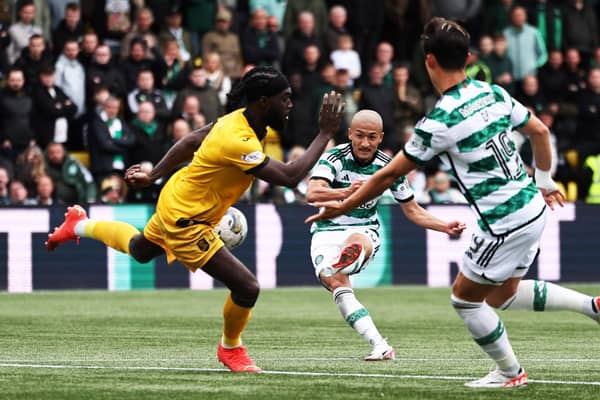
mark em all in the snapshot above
pixel 488 331
pixel 80 227
pixel 356 315
pixel 535 295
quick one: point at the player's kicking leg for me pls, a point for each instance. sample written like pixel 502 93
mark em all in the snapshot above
pixel 115 234
pixel 535 295
pixel 226 268
pixel 333 269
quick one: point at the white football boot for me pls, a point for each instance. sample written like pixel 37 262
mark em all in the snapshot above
pixel 497 379
pixel 381 352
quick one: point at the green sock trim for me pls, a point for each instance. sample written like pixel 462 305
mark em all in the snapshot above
pixel 539 295
pixel 356 315
pixel 492 337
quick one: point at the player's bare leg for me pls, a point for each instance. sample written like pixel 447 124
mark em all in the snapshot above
pixel 351 309
pixel 226 268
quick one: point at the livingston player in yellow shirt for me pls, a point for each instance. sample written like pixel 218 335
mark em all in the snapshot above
pixel 225 158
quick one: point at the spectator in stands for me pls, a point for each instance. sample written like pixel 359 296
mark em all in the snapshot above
pixel 4 43
pixel 18 194
pixel 365 24
pixel 580 28
pixel 145 91
pixel 345 57
pixel 208 97
pixel 180 128
pixel 53 109
pixel 526 48
pixel 226 43
pixel 141 30
pixel 71 27
pixel 16 107
pixel 21 31
pixel 104 72
pixel 589 187
pixel 302 123
pixel 45 191
pixel 70 76
pixel 199 18
pixel 442 192
pixel 500 64
pixel 295 7
pixel 547 17
pixel 384 57
pixel 259 44
pixel 110 141
pixel 553 79
pixel 576 75
pixel 174 30
pixel 530 94
pixel 486 47
pixel 89 44
pixel 302 36
pixel 191 113
pixel 335 28
pixel 216 77
pixel 112 21
pixel 32 58
pixel 310 68
pixel 72 181
pixel 176 71
pixel 138 61
pixel 350 95
pixel 374 96
pixel 588 118
pixel 150 135
pixel 408 104
pixel 4 180
pixel 113 189
pixel 274 8
pixel 30 166
pixel 476 68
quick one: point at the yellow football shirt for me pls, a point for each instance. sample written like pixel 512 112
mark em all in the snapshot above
pixel 217 176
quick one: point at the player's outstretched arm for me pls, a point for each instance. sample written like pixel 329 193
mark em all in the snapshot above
pixel 421 217
pixel 291 173
pixel 539 135
pixel 320 190
pixel 381 180
pixel 180 152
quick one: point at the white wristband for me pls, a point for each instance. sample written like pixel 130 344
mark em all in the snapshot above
pixel 544 180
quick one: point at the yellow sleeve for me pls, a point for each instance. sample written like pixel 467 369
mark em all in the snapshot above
pixel 244 151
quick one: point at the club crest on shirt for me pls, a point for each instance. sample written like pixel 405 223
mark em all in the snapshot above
pixel 253 157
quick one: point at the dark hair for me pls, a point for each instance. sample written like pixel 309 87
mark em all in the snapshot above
pixel 258 82
pixel 35 36
pixel 447 41
pixel 72 7
pixel 47 68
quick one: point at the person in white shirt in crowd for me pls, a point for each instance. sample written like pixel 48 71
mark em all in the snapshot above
pixel 216 76
pixel 21 31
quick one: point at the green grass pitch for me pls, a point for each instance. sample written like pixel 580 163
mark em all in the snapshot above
pixel 162 345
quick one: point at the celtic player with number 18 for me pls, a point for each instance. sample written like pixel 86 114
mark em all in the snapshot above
pixel 344 245
pixel 469 129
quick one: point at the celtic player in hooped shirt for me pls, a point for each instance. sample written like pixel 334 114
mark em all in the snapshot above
pixel 469 129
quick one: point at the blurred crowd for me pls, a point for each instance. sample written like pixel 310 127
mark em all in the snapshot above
pixel 91 87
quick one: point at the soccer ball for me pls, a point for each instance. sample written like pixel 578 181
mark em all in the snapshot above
pixel 232 228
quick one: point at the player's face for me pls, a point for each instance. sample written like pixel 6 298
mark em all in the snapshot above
pixel 365 139
pixel 279 109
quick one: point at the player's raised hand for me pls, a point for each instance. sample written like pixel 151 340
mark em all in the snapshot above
pixel 331 113
pixel 455 228
pixel 136 177
pixel 327 210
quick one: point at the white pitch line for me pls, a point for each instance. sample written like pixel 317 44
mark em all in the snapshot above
pixel 398 359
pixel 289 373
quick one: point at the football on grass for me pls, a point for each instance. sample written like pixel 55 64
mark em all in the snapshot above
pixel 232 228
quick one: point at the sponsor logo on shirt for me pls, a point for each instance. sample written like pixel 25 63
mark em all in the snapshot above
pixel 253 157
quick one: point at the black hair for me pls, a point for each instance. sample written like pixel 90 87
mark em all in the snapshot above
pixel 256 83
pixel 447 41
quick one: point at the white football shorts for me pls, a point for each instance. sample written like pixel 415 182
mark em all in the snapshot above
pixel 491 260
pixel 325 246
